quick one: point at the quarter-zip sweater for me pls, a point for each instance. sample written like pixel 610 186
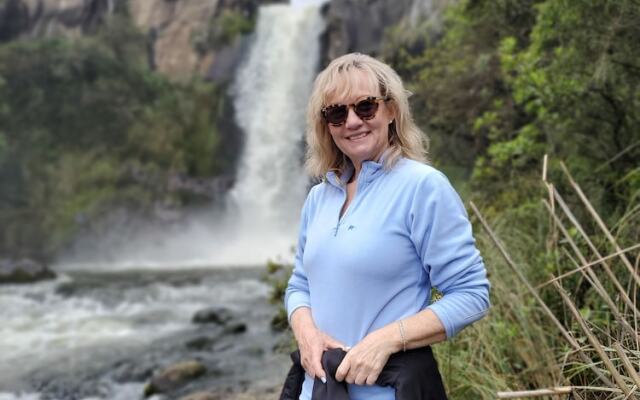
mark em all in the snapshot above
pixel 405 231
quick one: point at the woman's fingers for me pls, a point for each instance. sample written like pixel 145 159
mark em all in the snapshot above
pixel 343 369
pixel 363 364
pixel 317 366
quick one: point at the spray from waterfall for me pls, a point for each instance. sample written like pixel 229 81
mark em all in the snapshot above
pixel 261 216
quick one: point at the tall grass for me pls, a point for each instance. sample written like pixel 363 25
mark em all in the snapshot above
pixel 591 349
pixel 519 346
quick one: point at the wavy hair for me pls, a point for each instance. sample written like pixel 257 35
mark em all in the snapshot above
pixel 405 138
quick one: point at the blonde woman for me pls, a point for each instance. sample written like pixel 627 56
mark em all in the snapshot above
pixel 376 235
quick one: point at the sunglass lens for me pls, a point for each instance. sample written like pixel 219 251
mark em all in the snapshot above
pixel 366 109
pixel 336 115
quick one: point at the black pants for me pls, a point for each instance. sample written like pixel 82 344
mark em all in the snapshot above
pixel 414 375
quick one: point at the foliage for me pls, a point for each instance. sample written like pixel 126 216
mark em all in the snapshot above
pixel 457 78
pixel 85 126
pixel 277 276
pixel 224 28
pixel 504 83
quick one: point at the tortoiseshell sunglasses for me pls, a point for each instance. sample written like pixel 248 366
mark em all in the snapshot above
pixel 365 109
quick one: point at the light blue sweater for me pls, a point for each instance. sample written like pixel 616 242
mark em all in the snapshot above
pixel 405 231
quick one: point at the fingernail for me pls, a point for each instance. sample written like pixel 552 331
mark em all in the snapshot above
pixel 347 348
pixel 323 379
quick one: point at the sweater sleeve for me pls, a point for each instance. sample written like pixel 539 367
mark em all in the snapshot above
pixel 442 235
pixel 297 293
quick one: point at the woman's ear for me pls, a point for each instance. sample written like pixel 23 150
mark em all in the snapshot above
pixel 392 113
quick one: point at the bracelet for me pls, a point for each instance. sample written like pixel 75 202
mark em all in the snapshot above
pixel 404 340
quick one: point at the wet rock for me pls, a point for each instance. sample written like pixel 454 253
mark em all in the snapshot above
pixel 201 343
pixel 235 328
pixel 202 396
pixel 174 376
pixel 216 315
pixel 24 270
pixel 131 371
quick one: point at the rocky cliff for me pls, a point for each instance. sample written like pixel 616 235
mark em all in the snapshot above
pixel 359 25
pixel 177 30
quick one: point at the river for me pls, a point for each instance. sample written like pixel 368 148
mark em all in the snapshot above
pixel 101 335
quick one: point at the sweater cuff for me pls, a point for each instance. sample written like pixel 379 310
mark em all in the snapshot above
pixel 443 316
pixel 295 301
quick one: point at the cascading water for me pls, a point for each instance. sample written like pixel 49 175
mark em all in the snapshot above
pixel 270 96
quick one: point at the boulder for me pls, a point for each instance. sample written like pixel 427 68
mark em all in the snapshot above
pixel 201 343
pixel 235 328
pixel 24 270
pixel 174 377
pixel 216 315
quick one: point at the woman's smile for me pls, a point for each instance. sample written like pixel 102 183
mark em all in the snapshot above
pixel 358 136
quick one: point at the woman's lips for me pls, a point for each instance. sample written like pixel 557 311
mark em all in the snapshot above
pixel 358 136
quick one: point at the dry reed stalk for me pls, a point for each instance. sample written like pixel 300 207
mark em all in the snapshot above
pixel 569 338
pixel 633 374
pixel 597 285
pixel 598 389
pixel 535 393
pixel 552 239
pixel 635 315
pixel 595 343
pixel 590 264
pixel 621 291
pixel 600 223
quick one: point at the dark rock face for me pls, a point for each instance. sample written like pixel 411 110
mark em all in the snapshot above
pixel 23 271
pixel 347 30
pixel 14 18
pixel 47 17
pixel 174 377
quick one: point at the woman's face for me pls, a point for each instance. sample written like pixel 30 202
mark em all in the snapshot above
pixel 361 139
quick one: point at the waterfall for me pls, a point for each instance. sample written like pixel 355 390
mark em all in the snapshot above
pixel 270 94
pixel 271 89
pixel 260 220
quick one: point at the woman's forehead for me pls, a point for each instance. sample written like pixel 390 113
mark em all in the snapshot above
pixel 348 86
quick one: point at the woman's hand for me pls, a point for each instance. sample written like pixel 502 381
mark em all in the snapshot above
pixel 311 342
pixel 364 362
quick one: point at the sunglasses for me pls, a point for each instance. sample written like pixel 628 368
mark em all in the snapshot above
pixel 365 109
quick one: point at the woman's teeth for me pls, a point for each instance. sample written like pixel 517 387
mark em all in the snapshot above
pixel 359 136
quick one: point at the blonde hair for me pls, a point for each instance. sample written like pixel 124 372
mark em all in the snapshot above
pixel 405 138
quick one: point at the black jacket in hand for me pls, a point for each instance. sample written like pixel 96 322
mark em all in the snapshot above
pixel 414 375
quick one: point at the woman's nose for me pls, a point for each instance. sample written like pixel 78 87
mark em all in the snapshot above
pixel 353 121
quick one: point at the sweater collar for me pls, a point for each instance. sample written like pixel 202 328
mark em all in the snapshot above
pixel 369 172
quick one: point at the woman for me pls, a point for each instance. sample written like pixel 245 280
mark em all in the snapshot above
pixel 376 235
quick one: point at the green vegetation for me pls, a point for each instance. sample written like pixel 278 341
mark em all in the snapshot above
pixel 504 83
pixel 85 126
pixel 223 29
pixel 512 80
